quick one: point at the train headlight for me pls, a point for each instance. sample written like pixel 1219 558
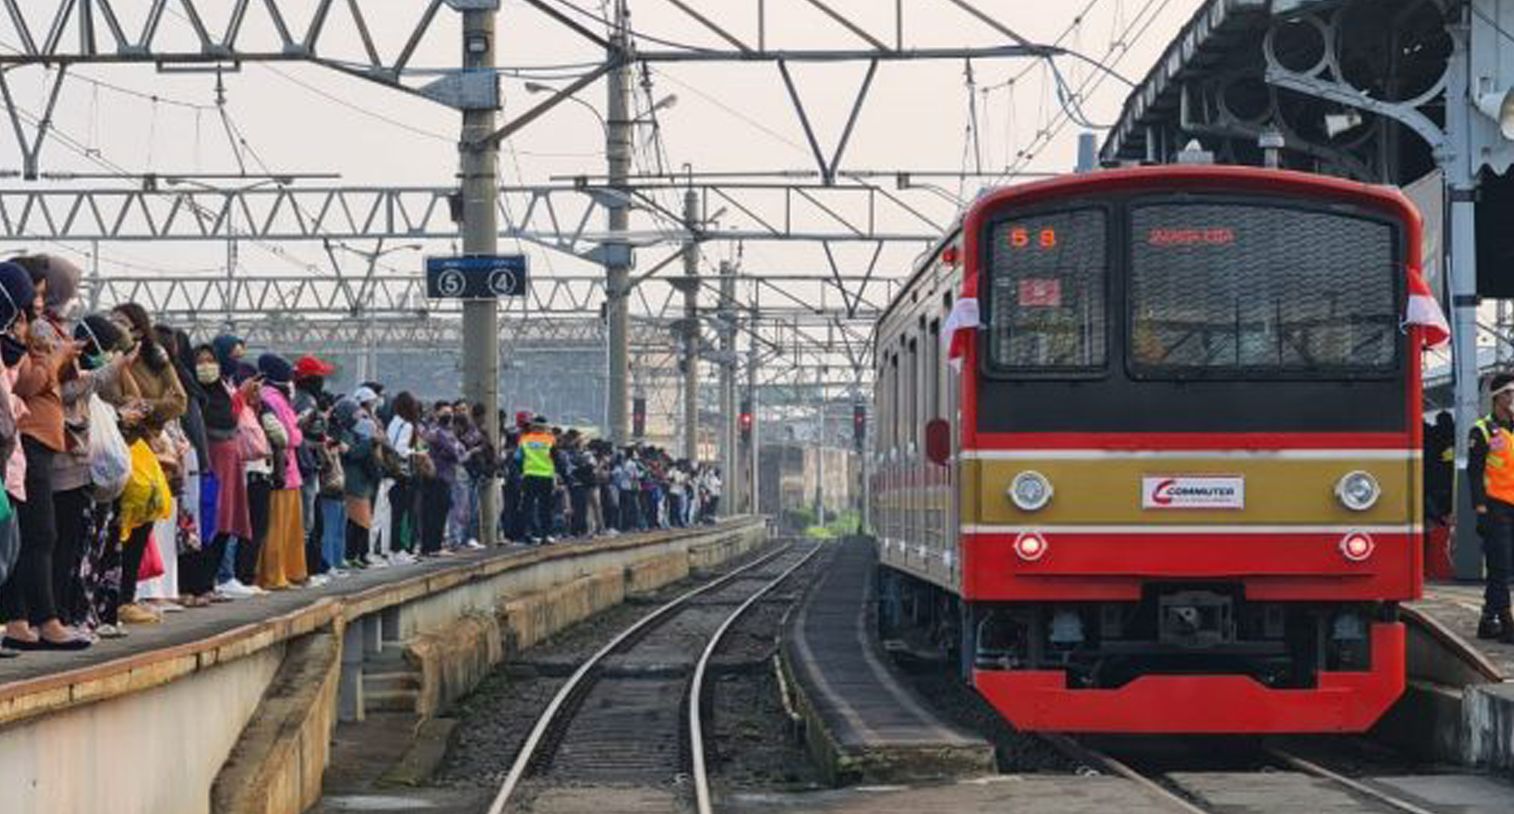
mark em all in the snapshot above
pixel 1030 547
pixel 1357 547
pixel 1358 491
pixel 1030 490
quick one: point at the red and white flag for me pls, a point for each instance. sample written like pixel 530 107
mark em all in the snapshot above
pixel 961 324
pixel 1425 312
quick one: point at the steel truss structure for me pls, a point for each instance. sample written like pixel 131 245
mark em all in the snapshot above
pixel 799 326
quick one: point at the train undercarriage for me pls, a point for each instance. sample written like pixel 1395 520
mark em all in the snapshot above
pixel 1188 656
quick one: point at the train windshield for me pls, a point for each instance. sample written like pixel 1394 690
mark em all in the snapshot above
pixel 1048 303
pixel 1254 290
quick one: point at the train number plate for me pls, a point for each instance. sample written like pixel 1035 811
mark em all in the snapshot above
pixel 1193 492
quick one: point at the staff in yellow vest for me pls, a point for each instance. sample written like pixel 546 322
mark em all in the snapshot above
pixel 1490 476
pixel 538 478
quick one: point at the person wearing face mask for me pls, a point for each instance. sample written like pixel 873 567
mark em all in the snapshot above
pixel 27 600
pixel 160 400
pixel 233 526
pixel 83 580
pixel 178 535
pixel 219 425
pixel 437 491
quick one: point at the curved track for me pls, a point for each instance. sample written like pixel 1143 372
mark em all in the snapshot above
pixel 569 718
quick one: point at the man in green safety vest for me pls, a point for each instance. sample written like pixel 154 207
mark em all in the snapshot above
pixel 538 478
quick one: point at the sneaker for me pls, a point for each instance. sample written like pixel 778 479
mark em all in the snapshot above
pixel 236 590
pixel 318 580
pixel 377 561
pixel 108 631
pixel 473 544
pixel 549 540
pixel 137 615
pixel 401 558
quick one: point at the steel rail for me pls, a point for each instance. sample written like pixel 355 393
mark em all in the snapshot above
pixel 696 687
pixel 1312 768
pixel 1095 759
pixel 549 715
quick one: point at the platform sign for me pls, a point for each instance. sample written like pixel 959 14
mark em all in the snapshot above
pixel 476 277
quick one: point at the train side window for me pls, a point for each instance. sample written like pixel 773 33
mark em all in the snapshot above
pixel 1047 297
pixel 895 402
pixel 912 402
pixel 933 371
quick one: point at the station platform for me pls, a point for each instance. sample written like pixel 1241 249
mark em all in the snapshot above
pixel 183 630
pixel 862 723
pixel 1458 606
pixel 1459 704
pixel 232 707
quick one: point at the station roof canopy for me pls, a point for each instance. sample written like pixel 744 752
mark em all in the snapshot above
pixel 1243 73
pixel 1212 39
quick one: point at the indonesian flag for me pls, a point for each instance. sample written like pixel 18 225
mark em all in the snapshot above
pixel 961 325
pixel 1425 312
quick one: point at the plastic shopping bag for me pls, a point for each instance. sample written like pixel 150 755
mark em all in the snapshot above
pixel 109 457
pixel 152 560
pixel 146 498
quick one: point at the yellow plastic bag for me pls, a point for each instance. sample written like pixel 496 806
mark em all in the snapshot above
pixel 146 498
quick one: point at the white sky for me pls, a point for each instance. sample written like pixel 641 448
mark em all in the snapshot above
pixel 300 118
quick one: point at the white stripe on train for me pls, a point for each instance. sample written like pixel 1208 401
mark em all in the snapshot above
pixel 1216 454
pixel 1150 529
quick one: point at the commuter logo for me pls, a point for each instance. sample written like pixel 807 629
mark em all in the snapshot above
pixel 1193 492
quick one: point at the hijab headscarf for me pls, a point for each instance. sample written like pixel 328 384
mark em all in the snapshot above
pixel 62 277
pixel 223 345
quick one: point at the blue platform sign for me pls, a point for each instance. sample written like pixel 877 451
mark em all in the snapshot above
pixel 476 277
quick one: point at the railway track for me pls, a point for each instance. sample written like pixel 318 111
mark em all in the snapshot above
pixel 630 713
pixel 1180 797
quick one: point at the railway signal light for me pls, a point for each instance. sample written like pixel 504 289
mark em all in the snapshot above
pixel 859 426
pixel 744 421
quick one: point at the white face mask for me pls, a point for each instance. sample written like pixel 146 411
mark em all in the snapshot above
pixel 208 372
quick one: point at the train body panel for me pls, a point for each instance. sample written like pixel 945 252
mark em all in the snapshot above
pixel 1183 466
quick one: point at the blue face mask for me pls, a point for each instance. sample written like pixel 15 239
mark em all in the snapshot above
pixel 95 361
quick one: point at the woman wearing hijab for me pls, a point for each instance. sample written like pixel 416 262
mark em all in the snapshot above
pixel 233 523
pixel 194 590
pixel 161 400
pixel 87 572
pixel 282 563
pixel 15 291
pixel 26 600
pixel 356 437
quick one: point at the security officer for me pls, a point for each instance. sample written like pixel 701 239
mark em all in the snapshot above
pixel 1490 476
pixel 539 478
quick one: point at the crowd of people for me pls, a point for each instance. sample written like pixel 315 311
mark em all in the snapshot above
pixel 148 473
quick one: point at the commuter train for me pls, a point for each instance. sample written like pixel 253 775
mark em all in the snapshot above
pixel 1146 450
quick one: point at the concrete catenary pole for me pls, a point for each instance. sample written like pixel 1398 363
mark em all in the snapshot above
pixel 691 327
pixel 728 454
pixel 753 466
pixel 479 155
pixel 617 252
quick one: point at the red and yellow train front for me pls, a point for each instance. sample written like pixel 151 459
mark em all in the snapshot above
pixel 1188 472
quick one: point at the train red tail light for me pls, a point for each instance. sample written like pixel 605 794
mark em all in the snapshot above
pixel 1030 547
pixel 1357 547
